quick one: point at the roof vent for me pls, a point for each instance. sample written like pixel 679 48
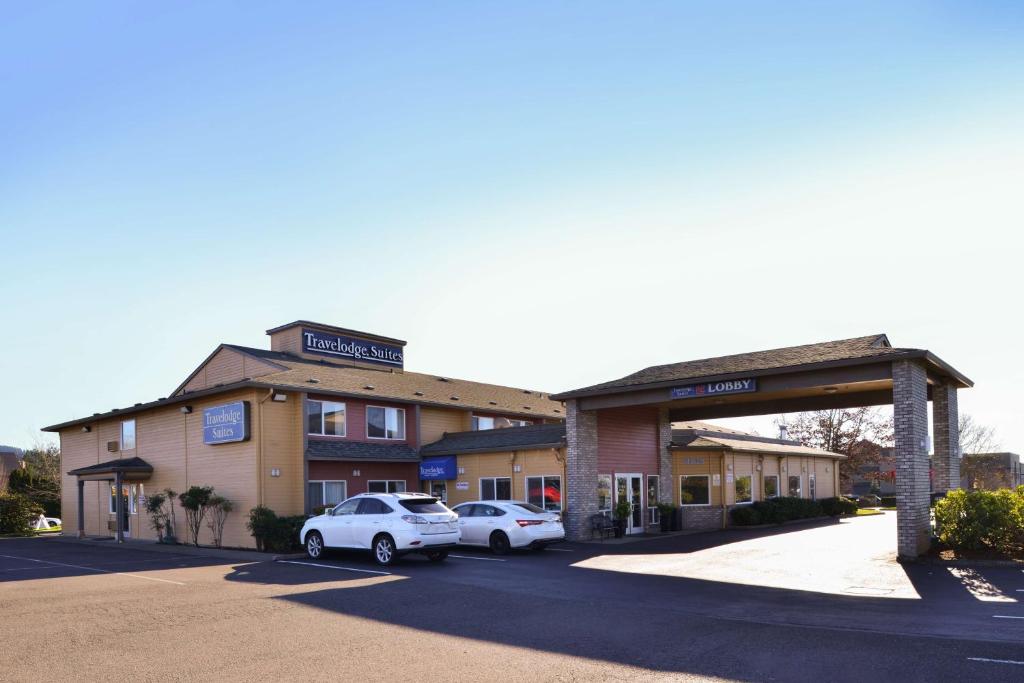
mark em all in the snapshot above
pixel 527 408
pixel 454 398
pixel 138 404
pixel 417 393
pixel 443 379
pixel 556 410
pixel 527 391
pixel 493 403
pixel 368 387
pixel 313 380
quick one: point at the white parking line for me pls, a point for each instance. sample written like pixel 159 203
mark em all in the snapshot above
pixel 1003 616
pixel 334 566
pixel 994 661
pixel 93 569
pixel 483 559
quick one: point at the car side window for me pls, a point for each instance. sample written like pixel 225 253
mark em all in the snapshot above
pixel 347 508
pixel 466 510
pixel 370 506
pixel 489 511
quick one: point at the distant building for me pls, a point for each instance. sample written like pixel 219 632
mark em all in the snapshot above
pixel 991 471
pixel 878 477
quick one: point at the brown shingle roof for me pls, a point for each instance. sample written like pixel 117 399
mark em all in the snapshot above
pixel 859 348
pixel 412 387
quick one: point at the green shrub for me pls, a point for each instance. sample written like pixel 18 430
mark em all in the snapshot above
pixel 745 515
pixel 834 507
pixel 786 509
pixel 273 533
pixel 888 501
pixel 982 520
pixel 18 513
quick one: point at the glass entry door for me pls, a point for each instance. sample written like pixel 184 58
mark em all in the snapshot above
pixel 630 487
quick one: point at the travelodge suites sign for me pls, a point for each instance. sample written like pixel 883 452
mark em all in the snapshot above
pixel 351 348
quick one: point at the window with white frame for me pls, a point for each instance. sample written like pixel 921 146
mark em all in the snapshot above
pixel 794 485
pixel 496 488
pixel 325 418
pixel 771 486
pixel 128 435
pixel 744 489
pixel 695 489
pixel 604 494
pixel 545 492
pixel 385 423
pixel 326 492
pixel 481 422
pixel 519 423
pixel 385 486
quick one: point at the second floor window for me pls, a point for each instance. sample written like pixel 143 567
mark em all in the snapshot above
pixel 128 435
pixel 481 423
pixel 326 418
pixel 385 423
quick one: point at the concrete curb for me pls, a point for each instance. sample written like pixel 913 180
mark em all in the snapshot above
pixel 965 564
pixel 151 546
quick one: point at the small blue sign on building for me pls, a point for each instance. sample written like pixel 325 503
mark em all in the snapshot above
pixel 438 468
pixel 227 423
pixel 732 386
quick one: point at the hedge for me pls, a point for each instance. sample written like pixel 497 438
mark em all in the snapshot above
pixel 982 520
pixel 778 510
pixel 273 533
pixel 18 514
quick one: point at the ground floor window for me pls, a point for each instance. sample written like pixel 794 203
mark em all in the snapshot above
pixel 386 486
pixel 794 485
pixel 131 498
pixel 771 486
pixel 328 493
pixel 496 488
pixel 604 494
pixel 544 492
pixel 439 490
pixel 744 489
pixel 695 489
pixel 653 513
pixel 811 488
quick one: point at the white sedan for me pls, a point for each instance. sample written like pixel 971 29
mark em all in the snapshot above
pixel 506 524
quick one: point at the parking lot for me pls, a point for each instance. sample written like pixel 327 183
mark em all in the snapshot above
pixel 652 610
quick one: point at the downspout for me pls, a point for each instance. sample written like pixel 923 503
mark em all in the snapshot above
pixel 512 476
pixel 725 509
pixel 560 457
pixel 259 451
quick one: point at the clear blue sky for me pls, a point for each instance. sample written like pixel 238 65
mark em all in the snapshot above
pixel 540 194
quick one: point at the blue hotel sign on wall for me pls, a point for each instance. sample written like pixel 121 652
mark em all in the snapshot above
pixel 438 468
pixel 732 386
pixel 340 346
pixel 227 423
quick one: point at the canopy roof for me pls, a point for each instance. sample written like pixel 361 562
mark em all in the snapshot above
pixel 134 468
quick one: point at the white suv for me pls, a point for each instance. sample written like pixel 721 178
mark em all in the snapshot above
pixel 389 524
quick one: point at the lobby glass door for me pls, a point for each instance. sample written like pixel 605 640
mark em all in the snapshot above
pixel 630 487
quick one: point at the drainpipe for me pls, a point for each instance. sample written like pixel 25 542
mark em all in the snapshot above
pixel 259 451
pixel 725 509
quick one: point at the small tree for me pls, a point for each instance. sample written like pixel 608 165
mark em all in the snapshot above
pixel 171 525
pixel 219 507
pixel 195 502
pixel 18 513
pixel 157 515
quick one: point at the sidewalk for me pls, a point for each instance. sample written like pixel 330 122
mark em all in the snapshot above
pixel 147 545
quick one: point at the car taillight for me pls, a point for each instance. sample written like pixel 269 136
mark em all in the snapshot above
pixel 528 522
pixel 413 519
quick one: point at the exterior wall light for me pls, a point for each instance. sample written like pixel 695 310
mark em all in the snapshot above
pixel 275 472
pixel 185 410
pixel 86 429
pixel 355 473
pixel 280 398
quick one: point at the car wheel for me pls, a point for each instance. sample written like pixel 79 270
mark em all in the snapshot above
pixel 437 555
pixel 384 550
pixel 540 547
pixel 499 543
pixel 314 544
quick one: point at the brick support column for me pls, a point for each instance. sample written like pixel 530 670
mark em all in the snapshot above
pixel 581 470
pixel 664 456
pixel 945 423
pixel 910 410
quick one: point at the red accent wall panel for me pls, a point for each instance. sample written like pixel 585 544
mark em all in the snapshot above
pixel 320 470
pixel 627 440
pixel 355 420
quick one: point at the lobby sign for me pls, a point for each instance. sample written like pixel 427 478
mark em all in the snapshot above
pixel 438 468
pixel 732 386
pixel 340 346
pixel 228 423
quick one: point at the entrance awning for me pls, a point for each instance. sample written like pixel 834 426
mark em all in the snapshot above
pixel 130 469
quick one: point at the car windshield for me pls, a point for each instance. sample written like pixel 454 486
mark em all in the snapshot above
pixel 423 505
pixel 530 507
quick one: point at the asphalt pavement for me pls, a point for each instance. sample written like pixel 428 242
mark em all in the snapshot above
pixel 648 611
